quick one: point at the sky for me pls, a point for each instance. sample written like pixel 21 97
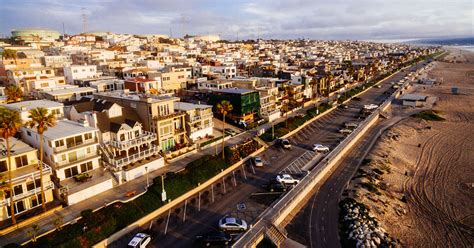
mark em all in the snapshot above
pixel 245 19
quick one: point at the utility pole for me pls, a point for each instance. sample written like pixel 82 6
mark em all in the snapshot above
pixel 84 20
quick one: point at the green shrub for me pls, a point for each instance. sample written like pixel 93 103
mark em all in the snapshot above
pixel 428 115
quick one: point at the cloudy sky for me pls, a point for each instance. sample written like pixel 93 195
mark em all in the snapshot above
pixel 316 19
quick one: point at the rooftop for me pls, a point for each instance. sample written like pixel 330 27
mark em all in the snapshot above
pixel 66 128
pixel 70 91
pixel 17 147
pixel 189 106
pixel 28 105
pixel 235 91
pixel 413 97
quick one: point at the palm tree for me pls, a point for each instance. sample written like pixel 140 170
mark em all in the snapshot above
pixel 41 120
pixel 9 54
pixel 314 83
pixel 284 109
pixel 14 94
pixel 10 122
pixel 33 232
pixel 224 107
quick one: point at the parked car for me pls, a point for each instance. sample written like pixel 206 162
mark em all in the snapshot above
pixel 378 86
pixel 371 106
pixel 214 239
pixel 345 131
pixel 356 98
pixel 285 143
pixel 351 124
pixel 140 240
pixel 286 179
pixel 232 224
pixel 343 106
pixel 275 186
pixel 320 148
pixel 257 161
pixel 230 132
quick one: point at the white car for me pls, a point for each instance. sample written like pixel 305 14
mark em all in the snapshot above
pixel 140 240
pixel 345 131
pixel 232 224
pixel 257 161
pixel 320 148
pixel 286 179
pixel 285 143
pixel 351 124
pixel 371 106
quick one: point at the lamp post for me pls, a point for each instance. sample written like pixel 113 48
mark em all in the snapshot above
pixel 163 192
pixel 146 172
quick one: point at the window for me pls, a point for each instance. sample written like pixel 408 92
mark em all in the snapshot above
pixel 59 143
pixel 87 136
pixel 70 172
pixel 31 185
pixel 18 189
pixel 122 137
pixel 18 206
pixel 75 71
pixel 72 156
pixel 86 167
pixel 21 161
pixel 44 85
pixel 3 166
pixel 36 200
pixel 62 157
pixel 137 133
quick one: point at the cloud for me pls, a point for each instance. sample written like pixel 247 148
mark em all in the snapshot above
pixel 318 19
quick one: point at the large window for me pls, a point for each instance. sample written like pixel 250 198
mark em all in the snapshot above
pixel 3 166
pixel 31 185
pixel 70 172
pixel 86 167
pixel 36 200
pixel 59 143
pixel 21 161
pixel 18 189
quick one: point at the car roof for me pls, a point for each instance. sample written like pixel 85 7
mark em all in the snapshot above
pixel 230 220
pixel 137 238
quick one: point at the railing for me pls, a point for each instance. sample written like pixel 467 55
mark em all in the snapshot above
pixel 47 186
pixel 194 129
pixel 46 170
pixel 200 117
pixel 145 137
pixel 118 163
pixel 65 147
pixel 87 156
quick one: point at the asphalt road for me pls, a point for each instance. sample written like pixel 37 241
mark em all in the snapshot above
pixel 320 214
pixel 244 196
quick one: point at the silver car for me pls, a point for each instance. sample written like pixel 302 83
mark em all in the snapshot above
pixel 257 161
pixel 232 224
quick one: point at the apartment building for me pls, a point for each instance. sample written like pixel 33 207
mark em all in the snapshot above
pixel 157 114
pixel 141 84
pixel 246 103
pixel 24 107
pixel 31 85
pixel 73 72
pixel 26 180
pixel 199 119
pixel 213 85
pixel 15 76
pixel 72 150
pixel 127 149
pixel 56 61
pixel 172 79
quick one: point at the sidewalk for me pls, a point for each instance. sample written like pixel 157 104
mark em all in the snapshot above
pixel 118 193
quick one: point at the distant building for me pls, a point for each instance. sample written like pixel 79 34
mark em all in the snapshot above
pixel 199 119
pixel 245 102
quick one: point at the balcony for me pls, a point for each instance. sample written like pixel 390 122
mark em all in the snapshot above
pixel 195 129
pixel 201 117
pixel 145 137
pixel 47 186
pixel 170 116
pixel 29 171
pixel 77 145
pixel 118 163
pixel 78 160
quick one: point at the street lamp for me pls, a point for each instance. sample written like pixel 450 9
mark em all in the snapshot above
pixel 163 192
pixel 146 172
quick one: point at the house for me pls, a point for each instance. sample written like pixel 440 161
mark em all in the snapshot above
pixel 157 113
pixel 141 84
pixel 68 94
pixel 73 72
pixel 71 149
pixel 245 102
pixel 128 150
pixel 24 107
pixel 26 179
pixel 213 85
pixel 171 79
pixel 199 119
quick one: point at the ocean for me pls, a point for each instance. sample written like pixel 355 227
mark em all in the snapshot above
pixel 467 48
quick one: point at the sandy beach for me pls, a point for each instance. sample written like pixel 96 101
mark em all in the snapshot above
pixel 424 169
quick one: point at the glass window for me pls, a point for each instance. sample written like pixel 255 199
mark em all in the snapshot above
pixel 70 172
pixel 18 189
pixel 21 161
pixel 70 142
pixel 72 156
pixel 59 143
pixel 86 167
pixel 78 139
pixel 3 166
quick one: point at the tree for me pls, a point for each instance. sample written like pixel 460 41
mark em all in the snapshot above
pixel 14 94
pixel 10 122
pixel 9 54
pixel 33 232
pixel 41 120
pixel 224 107
pixel 58 222
pixel 284 109
pixel 314 85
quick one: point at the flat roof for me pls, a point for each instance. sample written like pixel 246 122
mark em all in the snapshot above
pixel 189 106
pixel 28 105
pixel 17 147
pixel 66 128
pixel 413 97
pixel 235 91
pixel 70 91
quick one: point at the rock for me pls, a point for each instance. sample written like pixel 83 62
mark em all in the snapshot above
pixel 376 240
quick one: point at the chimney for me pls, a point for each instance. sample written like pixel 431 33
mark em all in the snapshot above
pixel 83 122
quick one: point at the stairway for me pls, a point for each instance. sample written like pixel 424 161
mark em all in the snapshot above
pixel 276 235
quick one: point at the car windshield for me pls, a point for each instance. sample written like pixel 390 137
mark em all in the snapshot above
pixel 285 142
pixel 257 159
pixel 238 221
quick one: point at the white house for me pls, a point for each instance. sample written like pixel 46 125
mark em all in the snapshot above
pixel 24 107
pixel 80 72
pixel 199 119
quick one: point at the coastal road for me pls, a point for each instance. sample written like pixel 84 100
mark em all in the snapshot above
pixel 244 197
pixel 320 214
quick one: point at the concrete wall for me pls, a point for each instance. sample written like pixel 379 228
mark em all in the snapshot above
pixel 89 192
pixel 140 170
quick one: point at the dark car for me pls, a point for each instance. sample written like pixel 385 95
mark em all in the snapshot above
pixel 275 186
pixel 218 239
pixel 356 98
